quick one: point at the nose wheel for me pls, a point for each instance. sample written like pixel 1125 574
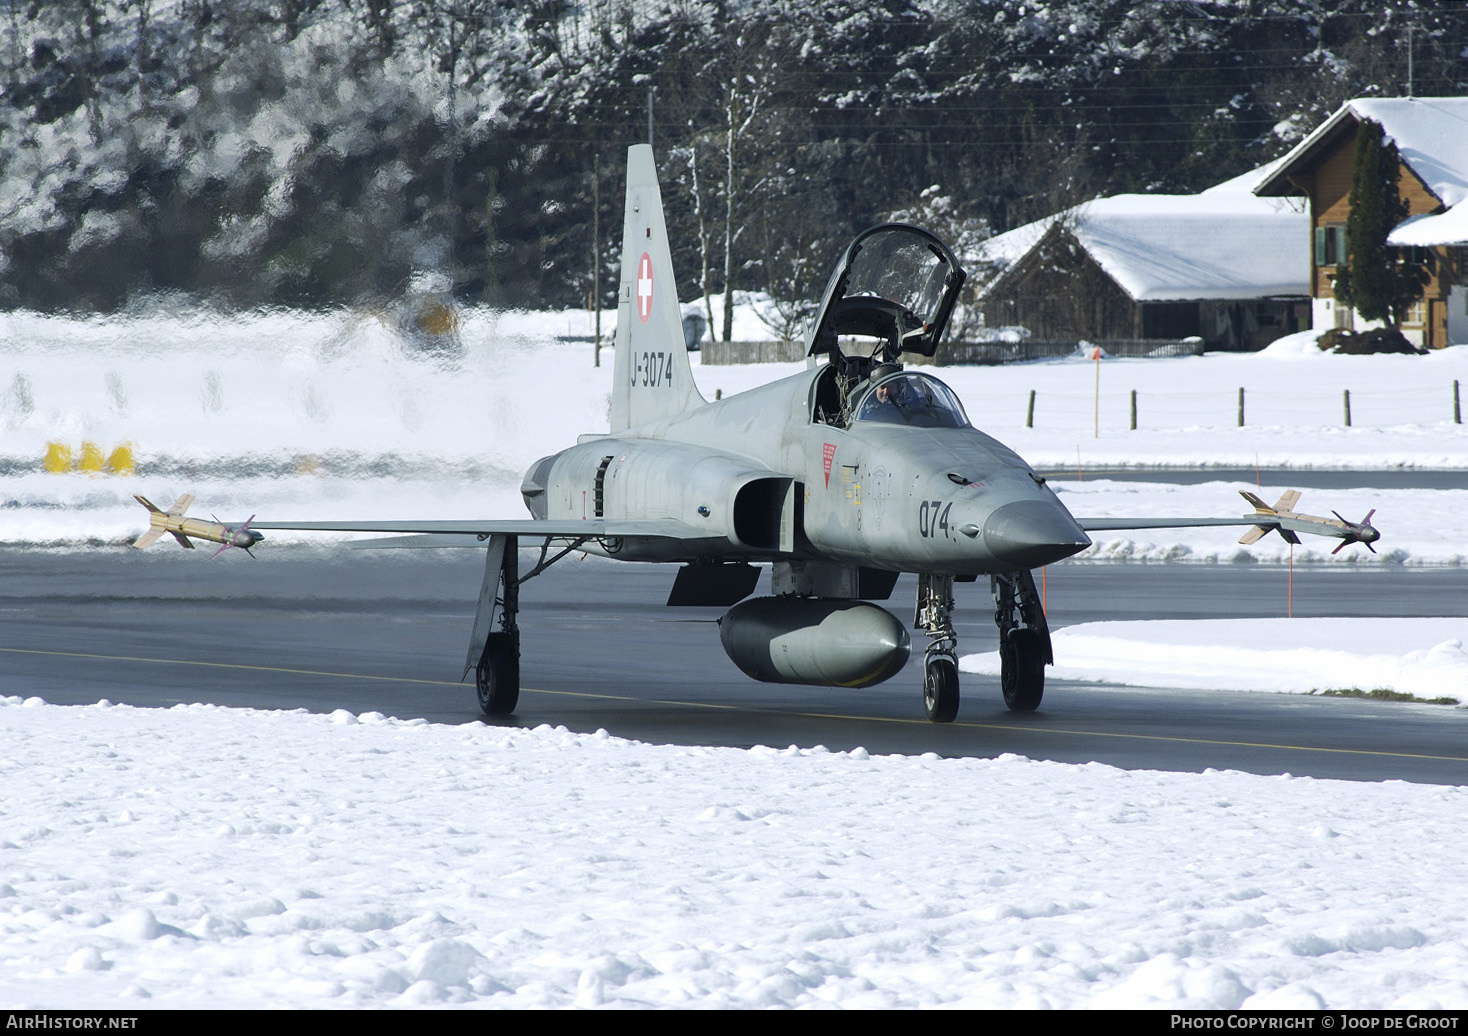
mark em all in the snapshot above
pixel 940 688
pixel 940 664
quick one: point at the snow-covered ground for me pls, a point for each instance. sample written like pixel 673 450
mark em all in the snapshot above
pixel 294 415
pixel 1421 657
pixel 207 857
pixel 210 857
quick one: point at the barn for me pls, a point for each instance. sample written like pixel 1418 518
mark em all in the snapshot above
pixel 1225 265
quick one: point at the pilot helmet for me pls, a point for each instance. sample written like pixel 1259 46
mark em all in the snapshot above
pixel 883 370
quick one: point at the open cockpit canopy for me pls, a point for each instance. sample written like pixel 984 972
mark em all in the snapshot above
pixel 896 283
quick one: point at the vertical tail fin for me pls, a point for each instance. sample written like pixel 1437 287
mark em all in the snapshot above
pixel 652 377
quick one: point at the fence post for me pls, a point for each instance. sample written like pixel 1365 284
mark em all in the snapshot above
pixel 1134 410
pixel 1241 406
pixel 1030 416
pixel 1457 408
pixel 1348 406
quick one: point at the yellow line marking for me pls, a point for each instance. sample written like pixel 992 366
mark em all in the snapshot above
pixel 1005 727
pixel 222 665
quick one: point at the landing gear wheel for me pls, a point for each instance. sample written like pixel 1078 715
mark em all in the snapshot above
pixel 1022 669
pixel 497 677
pixel 940 689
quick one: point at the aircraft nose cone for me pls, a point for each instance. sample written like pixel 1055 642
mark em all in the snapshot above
pixel 1032 533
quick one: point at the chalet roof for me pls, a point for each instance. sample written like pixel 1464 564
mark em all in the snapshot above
pixel 1431 135
pixel 1443 228
pixel 1225 243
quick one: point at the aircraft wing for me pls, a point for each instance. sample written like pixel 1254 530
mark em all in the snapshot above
pixel 473 533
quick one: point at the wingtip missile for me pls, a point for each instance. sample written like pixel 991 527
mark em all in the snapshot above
pixel 174 522
pixel 1282 518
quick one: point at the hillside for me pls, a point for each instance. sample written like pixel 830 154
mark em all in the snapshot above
pixel 318 152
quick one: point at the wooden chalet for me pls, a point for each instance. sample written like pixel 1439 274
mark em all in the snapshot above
pixel 1431 135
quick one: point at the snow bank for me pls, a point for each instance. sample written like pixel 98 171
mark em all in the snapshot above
pixel 1422 657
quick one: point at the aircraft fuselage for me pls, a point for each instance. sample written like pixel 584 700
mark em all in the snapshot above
pixel 911 499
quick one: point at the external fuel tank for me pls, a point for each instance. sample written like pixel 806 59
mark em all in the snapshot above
pixel 814 640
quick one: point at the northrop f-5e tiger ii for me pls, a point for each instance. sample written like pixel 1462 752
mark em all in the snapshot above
pixel 838 478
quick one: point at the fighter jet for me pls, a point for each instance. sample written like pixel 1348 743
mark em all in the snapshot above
pixel 177 524
pixel 839 478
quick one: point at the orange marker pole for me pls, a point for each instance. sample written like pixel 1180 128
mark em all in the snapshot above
pixel 1096 417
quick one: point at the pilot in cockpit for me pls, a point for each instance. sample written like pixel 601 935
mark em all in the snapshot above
pixel 894 392
pixel 889 391
pixel 910 399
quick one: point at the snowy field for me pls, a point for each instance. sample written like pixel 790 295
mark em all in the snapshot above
pixel 203 857
pixel 216 858
pixel 304 416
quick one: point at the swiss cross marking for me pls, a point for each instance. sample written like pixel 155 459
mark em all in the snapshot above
pixel 644 287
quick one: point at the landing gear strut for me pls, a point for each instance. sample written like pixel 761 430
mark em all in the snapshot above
pixel 940 661
pixel 495 656
pixel 497 667
pixel 1024 640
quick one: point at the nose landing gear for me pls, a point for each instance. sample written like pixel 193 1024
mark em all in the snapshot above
pixel 940 661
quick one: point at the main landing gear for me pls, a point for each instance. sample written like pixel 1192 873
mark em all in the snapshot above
pixel 497 676
pixel 495 656
pixel 1024 643
pixel 1024 640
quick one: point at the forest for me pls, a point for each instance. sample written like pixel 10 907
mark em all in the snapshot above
pixel 318 153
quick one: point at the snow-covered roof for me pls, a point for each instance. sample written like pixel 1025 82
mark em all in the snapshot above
pixel 1225 243
pixel 1444 228
pixel 1002 251
pixel 1431 135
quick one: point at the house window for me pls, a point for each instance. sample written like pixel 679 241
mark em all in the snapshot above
pixel 1416 256
pixel 1416 314
pixel 1330 244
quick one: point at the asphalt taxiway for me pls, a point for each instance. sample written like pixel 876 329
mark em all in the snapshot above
pixel 386 631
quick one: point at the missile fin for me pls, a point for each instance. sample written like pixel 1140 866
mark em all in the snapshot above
pixel 1255 502
pixel 1288 501
pixel 148 538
